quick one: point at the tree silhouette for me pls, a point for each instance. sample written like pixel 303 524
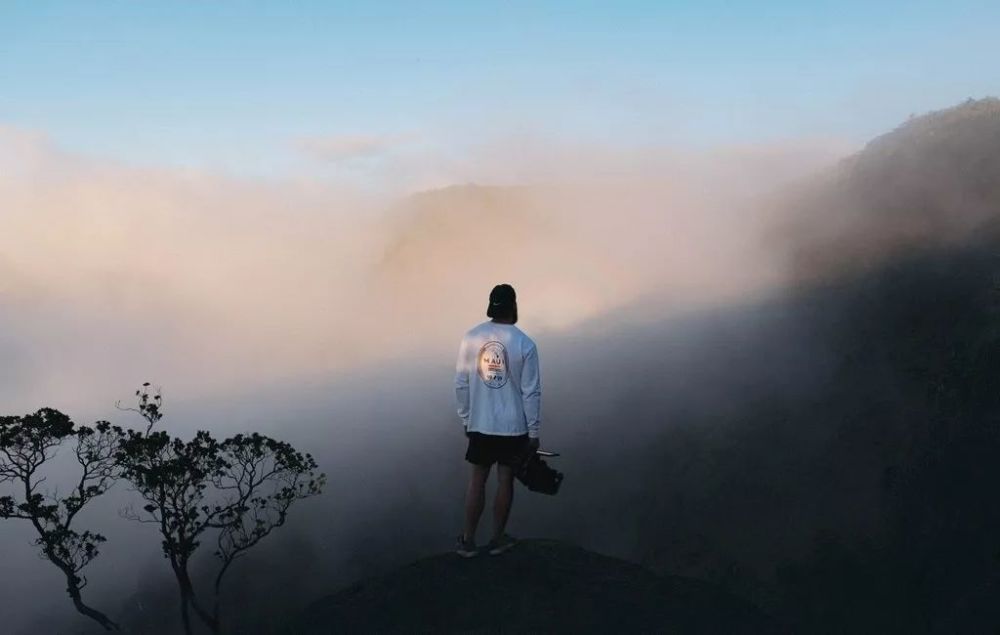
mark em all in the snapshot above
pixel 240 488
pixel 26 444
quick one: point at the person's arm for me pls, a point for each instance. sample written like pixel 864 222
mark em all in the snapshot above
pixel 531 392
pixel 462 384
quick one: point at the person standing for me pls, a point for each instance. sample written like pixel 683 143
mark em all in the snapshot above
pixel 498 389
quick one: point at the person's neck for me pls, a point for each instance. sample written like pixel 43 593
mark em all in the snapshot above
pixel 508 322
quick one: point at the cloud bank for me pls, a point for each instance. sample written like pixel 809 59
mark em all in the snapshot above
pixel 212 285
pixel 111 273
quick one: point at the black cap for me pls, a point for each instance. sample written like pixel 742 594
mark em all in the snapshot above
pixel 502 299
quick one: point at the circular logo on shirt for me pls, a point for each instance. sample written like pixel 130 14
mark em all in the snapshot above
pixel 493 364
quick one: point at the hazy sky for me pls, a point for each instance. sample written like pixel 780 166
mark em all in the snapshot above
pixel 267 88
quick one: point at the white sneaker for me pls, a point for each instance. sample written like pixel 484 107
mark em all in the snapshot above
pixel 466 548
pixel 501 544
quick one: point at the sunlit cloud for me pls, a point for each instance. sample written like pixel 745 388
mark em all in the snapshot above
pixel 109 272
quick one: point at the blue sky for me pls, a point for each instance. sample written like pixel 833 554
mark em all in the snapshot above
pixel 236 85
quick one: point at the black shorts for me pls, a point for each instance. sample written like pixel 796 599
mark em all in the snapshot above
pixel 487 449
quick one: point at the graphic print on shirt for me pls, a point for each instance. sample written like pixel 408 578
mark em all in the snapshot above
pixel 493 364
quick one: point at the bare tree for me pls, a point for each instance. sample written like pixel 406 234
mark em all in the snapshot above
pixel 26 444
pixel 262 479
pixel 241 488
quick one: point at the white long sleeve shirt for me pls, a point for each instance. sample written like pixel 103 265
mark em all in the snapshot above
pixel 497 381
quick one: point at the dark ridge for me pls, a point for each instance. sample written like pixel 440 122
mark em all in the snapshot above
pixel 539 586
pixel 933 182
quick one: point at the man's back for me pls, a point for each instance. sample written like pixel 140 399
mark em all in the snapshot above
pixel 498 391
pixel 497 381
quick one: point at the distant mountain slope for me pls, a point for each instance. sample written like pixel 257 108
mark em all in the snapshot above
pixel 539 587
pixel 540 239
pixel 933 181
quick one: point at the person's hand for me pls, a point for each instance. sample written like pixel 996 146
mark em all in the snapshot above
pixel 534 443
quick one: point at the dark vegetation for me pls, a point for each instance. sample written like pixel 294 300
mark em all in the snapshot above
pixel 236 491
pixel 26 444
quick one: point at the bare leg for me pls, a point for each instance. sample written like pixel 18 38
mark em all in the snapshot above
pixel 475 499
pixel 505 498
